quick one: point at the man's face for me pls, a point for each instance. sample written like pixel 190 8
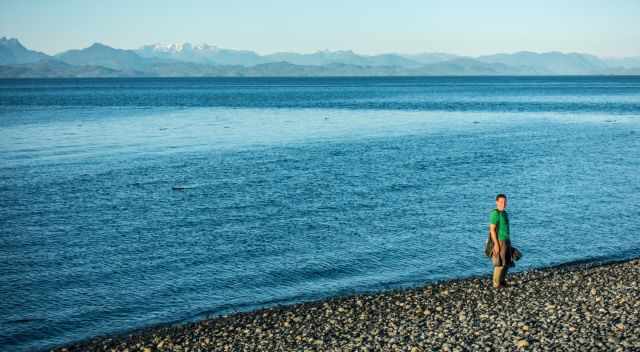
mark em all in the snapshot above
pixel 501 203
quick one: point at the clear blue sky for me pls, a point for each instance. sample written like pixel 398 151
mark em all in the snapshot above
pixel 605 28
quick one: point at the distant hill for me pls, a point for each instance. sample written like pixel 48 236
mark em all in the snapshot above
pixel 12 52
pixel 51 68
pixel 348 57
pixel 626 62
pixel 106 56
pixel 551 62
pixel 203 60
pixel 473 67
pixel 430 58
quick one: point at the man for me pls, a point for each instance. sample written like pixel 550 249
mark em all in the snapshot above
pixel 499 230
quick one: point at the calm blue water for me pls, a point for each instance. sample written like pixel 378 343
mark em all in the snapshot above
pixel 293 189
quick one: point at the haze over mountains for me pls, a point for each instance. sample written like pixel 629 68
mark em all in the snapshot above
pixel 185 59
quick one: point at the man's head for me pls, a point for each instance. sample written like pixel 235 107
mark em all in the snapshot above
pixel 501 201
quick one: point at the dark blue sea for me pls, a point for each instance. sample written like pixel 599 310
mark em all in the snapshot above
pixel 132 202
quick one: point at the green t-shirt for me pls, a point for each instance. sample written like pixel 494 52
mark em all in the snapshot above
pixel 501 220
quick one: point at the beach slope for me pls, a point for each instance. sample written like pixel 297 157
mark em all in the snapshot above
pixel 577 307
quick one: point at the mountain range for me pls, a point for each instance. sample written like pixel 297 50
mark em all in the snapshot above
pixel 188 60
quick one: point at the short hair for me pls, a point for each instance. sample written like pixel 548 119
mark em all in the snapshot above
pixel 501 196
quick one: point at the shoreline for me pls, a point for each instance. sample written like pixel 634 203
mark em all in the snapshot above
pixel 583 305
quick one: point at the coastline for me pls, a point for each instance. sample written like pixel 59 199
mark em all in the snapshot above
pixel 574 306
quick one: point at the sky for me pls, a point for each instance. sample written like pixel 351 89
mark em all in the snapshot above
pixel 604 28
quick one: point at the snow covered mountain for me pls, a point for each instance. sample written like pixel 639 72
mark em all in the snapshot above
pixel 201 53
pixel 211 54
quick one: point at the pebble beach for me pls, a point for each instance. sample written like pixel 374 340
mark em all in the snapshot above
pixel 571 307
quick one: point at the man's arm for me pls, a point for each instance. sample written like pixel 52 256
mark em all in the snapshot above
pixel 494 238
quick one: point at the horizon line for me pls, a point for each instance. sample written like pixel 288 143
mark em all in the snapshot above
pixel 328 50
